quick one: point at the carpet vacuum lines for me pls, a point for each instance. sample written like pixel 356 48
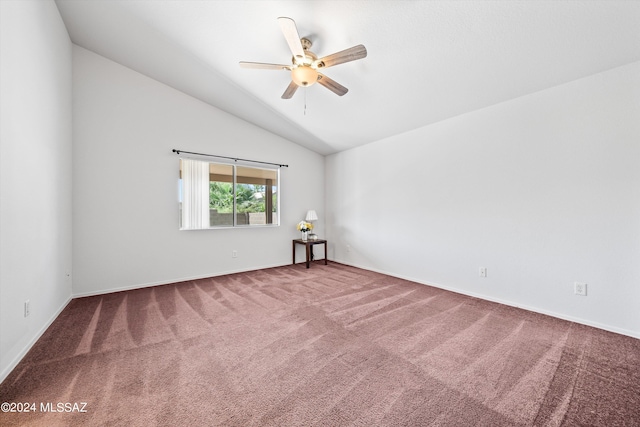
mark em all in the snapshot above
pixel 331 345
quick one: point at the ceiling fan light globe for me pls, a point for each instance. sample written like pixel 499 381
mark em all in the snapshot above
pixel 304 75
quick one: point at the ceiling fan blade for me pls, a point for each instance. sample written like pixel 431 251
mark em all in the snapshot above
pixel 290 31
pixel 291 89
pixel 332 85
pixel 347 55
pixel 264 66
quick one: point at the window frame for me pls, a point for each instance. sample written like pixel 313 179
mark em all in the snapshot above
pixel 234 184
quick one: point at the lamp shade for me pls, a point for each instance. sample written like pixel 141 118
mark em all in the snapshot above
pixel 311 216
pixel 304 75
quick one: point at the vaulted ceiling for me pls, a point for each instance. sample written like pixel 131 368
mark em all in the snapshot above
pixel 427 60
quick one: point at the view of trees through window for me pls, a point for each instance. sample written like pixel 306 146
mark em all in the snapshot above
pixel 249 197
pixel 255 191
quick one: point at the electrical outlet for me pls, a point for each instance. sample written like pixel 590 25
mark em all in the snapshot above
pixel 234 254
pixel 483 271
pixel 27 308
pixel 348 248
pixel 580 289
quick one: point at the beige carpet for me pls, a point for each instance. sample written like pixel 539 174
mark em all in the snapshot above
pixel 328 346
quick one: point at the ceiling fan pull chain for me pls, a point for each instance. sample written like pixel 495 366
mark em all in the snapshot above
pixel 305 101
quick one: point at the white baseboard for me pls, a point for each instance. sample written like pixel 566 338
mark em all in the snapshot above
pixel 5 373
pixel 170 281
pixel 28 347
pixel 586 322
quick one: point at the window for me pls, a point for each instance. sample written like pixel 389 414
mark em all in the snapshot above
pixel 227 195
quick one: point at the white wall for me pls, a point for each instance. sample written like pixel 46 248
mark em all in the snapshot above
pixel 35 173
pixel 126 183
pixel 543 191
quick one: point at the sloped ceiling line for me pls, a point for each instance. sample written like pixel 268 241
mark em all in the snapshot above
pixel 428 60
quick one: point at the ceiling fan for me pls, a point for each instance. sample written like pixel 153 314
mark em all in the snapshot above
pixel 305 64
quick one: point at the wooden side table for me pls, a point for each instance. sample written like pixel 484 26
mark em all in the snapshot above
pixel 308 244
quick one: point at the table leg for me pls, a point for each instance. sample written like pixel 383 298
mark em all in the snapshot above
pixel 325 253
pixel 308 253
pixel 294 252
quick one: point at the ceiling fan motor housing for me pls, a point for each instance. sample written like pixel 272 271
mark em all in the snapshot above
pixel 304 72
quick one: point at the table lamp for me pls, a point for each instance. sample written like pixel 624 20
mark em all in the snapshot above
pixel 312 216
